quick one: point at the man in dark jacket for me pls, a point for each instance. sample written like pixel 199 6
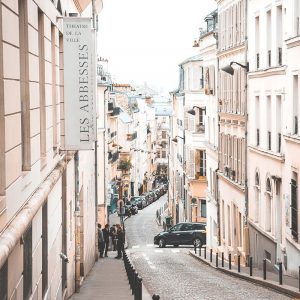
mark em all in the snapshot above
pixel 101 243
pixel 105 231
pixel 120 241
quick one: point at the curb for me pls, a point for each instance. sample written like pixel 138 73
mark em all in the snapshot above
pixel 283 289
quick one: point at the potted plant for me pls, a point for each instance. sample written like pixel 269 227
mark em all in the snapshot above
pixel 125 165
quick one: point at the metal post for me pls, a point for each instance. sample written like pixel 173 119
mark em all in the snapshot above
pixel 217 259
pixel 280 273
pixel 205 253
pixel 229 258
pixel 210 255
pixel 265 269
pixel 140 287
pixel 222 259
pixel 299 278
pixel 250 265
pixel 134 277
pixel 239 263
pixel 200 250
pixel 195 247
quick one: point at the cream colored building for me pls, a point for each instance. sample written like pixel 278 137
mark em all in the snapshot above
pixel 38 190
pixel 207 48
pixel 232 123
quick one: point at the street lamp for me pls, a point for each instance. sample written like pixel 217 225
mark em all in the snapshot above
pixel 230 70
pixel 175 140
pixel 193 112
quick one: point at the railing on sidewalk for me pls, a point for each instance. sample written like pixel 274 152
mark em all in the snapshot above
pixel 263 273
pixel 135 281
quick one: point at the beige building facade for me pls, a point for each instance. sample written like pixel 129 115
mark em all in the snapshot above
pixel 41 186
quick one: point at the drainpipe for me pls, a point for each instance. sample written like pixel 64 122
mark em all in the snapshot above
pixel 77 225
pixel 104 149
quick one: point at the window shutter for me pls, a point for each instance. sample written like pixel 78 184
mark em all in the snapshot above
pixel 192 124
pixel 294 210
pixel 206 78
pixel 192 164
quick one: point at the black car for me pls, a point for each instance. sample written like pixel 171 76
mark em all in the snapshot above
pixel 133 207
pixel 182 234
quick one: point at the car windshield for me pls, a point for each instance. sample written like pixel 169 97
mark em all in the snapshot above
pixel 176 227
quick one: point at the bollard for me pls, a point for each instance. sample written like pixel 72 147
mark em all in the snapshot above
pixel 210 255
pixel 140 288
pixel 195 247
pixel 134 284
pixel 299 279
pixel 239 263
pixel 155 297
pixel 229 258
pixel 222 259
pixel 200 251
pixel 280 273
pixel 250 265
pixel 205 253
pixel 217 260
pixel 265 269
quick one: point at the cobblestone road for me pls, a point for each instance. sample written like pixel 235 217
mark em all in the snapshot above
pixel 173 274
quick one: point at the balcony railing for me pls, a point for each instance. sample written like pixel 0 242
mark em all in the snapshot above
pixel 131 136
pixel 257 60
pixel 113 134
pixel 257 137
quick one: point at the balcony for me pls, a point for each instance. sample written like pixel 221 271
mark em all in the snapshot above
pixel 131 136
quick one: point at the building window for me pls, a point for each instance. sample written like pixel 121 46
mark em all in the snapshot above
pixel 203 208
pixel 268 208
pixel 27 263
pixel 163 154
pixel 257 199
pixel 257 37
pixel 202 163
pixel 45 248
pixel 163 134
pixel 269 38
pixel 295 103
pixel 294 208
pixel 24 84
pixel 3 281
pixel 42 84
pixel 268 255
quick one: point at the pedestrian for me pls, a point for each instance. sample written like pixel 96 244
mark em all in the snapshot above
pixel 120 241
pixel 101 243
pixel 105 232
pixel 113 233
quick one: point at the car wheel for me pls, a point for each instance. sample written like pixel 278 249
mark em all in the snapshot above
pixel 162 243
pixel 197 242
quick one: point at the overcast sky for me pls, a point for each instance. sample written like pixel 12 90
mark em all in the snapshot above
pixel 145 40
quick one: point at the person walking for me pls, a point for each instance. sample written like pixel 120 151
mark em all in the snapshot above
pixel 105 232
pixel 101 243
pixel 120 241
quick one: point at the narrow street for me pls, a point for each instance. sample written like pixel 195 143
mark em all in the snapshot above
pixel 173 274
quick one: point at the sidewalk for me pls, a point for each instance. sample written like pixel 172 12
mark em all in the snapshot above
pixel 108 279
pixel 289 286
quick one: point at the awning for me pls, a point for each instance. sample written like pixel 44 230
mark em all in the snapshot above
pixel 125 118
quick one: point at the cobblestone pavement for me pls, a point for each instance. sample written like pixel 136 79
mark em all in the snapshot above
pixel 173 274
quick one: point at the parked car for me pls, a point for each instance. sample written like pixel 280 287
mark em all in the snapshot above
pixel 153 195
pixel 139 201
pixel 182 234
pixel 148 198
pixel 133 207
